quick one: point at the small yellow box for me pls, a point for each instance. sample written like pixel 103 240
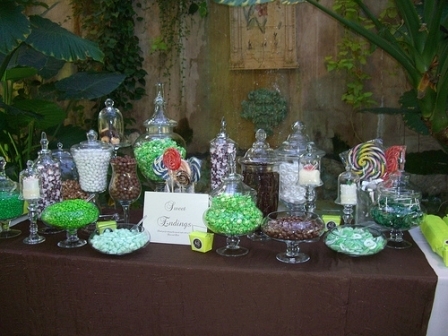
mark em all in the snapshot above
pixel 101 226
pixel 201 241
pixel 331 221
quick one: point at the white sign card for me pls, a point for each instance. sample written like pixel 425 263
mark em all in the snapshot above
pixel 170 217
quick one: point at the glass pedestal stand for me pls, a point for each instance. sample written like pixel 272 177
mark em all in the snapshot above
pixel 34 237
pixel 292 255
pixel 72 240
pixel 310 198
pixel 347 216
pixel 232 248
pixel 396 240
pixel 259 236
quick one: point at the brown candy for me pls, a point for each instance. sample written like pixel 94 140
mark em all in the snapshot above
pixel 293 228
pixel 125 184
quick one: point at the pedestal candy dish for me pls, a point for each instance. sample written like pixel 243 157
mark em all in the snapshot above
pixel 293 228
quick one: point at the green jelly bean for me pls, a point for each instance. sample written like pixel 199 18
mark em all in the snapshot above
pixel 147 152
pixel 70 214
pixel 10 205
pixel 233 215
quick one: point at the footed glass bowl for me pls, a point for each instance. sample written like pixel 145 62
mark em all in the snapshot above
pixel 355 240
pixel 120 240
pixel 293 228
pixel 71 215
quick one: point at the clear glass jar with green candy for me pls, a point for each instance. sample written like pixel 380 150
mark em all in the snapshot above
pixel 233 212
pixel 11 206
pixel 159 136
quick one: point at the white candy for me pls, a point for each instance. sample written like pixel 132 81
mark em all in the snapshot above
pixel 92 168
pixel 120 241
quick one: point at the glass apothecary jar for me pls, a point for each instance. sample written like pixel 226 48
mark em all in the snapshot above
pixel 69 174
pixel 159 136
pixel 92 159
pixel 233 212
pixel 291 193
pixel 111 126
pixel 258 167
pixel 220 148
pixel 51 181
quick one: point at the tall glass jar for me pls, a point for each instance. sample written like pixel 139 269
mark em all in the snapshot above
pixel 309 173
pixel 291 193
pixel 92 159
pixel 258 167
pixel 220 148
pixel 50 174
pixel 159 136
pixel 233 212
pixel 69 174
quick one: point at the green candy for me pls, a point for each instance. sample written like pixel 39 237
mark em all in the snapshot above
pixel 354 241
pixel 70 214
pixel 10 205
pixel 147 152
pixel 233 215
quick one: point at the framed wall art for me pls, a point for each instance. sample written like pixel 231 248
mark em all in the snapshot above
pixel 263 36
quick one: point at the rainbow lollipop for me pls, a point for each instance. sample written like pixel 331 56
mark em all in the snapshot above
pixel 368 160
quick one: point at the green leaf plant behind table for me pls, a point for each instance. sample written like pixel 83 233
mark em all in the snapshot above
pixel 419 45
pixel 33 50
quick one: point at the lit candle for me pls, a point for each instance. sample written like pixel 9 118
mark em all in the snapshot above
pixel 309 177
pixel 348 194
pixel 30 188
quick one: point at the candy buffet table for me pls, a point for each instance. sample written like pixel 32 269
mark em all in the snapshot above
pixel 171 290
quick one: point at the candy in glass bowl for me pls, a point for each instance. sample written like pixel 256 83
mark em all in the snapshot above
pixel 71 215
pixel 119 239
pixel 355 240
pixel 293 228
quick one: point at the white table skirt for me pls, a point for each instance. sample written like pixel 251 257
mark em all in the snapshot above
pixel 438 322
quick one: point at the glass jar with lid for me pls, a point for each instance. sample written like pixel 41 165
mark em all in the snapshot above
pixel 220 148
pixel 258 167
pixel 69 174
pixel 92 159
pixel 111 126
pixel 397 208
pixel 11 205
pixel 233 211
pixel 291 193
pixel 348 186
pixel 159 136
pixel 50 174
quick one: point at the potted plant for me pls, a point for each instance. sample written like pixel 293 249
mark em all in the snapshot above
pixel 33 50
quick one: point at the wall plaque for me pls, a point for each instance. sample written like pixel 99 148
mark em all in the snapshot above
pixel 263 37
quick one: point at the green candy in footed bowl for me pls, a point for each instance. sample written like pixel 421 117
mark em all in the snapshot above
pixel 71 215
pixel 355 240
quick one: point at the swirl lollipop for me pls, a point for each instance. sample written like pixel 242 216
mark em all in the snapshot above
pixel 195 167
pixel 172 160
pixel 368 160
pixel 159 168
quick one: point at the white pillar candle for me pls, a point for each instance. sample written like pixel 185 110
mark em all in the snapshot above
pixel 30 188
pixel 348 194
pixel 309 177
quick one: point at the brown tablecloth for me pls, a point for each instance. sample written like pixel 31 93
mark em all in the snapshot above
pixel 171 290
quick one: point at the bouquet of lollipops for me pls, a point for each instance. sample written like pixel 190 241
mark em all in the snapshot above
pixel 180 175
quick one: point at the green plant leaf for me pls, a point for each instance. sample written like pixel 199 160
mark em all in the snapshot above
pixel 84 85
pixel 14 27
pixel 53 40
pixel 52 114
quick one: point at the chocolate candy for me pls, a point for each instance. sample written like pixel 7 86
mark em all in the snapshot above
pixel 293 228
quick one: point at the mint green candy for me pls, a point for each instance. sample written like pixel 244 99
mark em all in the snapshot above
pixel 355 241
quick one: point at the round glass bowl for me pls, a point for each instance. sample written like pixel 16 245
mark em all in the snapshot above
pixel 355 240
pixel 293 228
pixel 121 240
